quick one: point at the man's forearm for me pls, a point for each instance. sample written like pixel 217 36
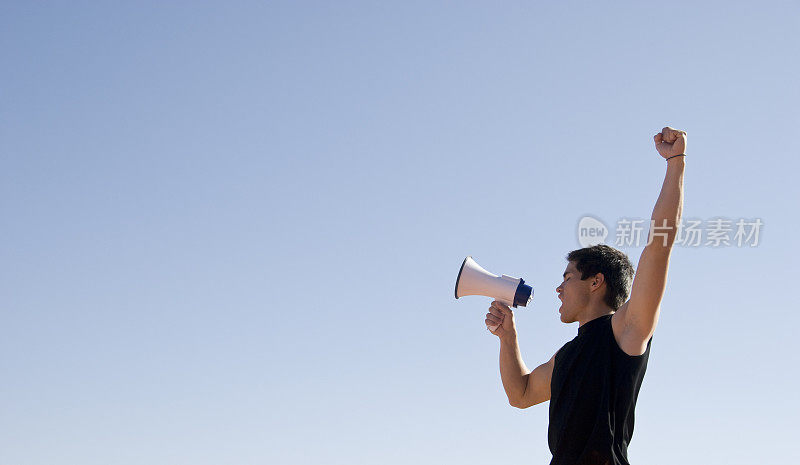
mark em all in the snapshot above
pixel 669 206
pixel 513 371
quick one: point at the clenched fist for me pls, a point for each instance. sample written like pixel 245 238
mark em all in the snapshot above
pixel 670 142
pixel 501 316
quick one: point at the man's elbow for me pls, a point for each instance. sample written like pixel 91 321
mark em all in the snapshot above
pixel 662 237
pixel 522 403
pixel 661 246
pixel 517 404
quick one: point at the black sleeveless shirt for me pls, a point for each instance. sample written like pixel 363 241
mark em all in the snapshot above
pixel 593 393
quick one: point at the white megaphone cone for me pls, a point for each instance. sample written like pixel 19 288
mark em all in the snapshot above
pixel 474 280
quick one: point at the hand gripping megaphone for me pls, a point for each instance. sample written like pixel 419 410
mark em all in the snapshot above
pixel 474 280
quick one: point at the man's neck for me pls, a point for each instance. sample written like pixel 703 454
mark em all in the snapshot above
pixel 594 311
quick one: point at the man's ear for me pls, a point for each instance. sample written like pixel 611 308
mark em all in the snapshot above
pixel 598 281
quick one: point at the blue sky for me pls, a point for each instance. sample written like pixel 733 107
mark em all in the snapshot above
pixel 231 231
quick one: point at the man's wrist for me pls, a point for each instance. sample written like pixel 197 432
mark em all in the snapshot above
pixel 509 338
pixel 681 157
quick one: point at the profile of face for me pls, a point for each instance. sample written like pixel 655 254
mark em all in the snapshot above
pixel 575 294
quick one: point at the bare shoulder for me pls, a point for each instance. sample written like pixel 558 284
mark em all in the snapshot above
pixel 544 372
pixel 550 364
pixel 628 339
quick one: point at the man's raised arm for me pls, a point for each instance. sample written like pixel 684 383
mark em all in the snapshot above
pixel 640 313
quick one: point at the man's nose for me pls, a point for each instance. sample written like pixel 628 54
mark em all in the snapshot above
pixel 558 289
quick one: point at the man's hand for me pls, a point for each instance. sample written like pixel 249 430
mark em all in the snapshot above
pixel 670 142
pixel 500 314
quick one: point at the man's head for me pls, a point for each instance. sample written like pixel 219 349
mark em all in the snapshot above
pixel 597 275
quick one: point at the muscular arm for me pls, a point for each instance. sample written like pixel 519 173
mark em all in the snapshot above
pixel 640 313
pixel 523 388
pixel 513 371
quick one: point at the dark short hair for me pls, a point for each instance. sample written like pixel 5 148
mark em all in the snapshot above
pixel 615 266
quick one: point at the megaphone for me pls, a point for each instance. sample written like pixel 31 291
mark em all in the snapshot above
pixel 474 280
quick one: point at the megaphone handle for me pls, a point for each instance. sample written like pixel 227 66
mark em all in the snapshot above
pixel 494 328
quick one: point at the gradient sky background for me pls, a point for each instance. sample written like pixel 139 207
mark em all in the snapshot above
pixel 231 231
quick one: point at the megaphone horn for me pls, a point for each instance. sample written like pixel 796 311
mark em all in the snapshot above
pixel 474 280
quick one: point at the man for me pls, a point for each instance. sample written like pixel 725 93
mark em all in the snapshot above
pixel 593 381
